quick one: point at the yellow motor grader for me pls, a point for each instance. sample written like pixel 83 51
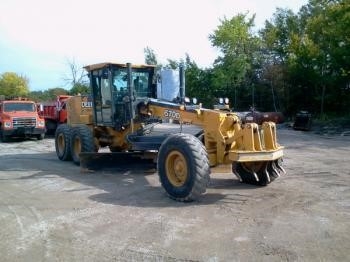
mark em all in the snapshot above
pixel 126 114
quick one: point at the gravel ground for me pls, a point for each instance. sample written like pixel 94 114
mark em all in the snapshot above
pixel 51 211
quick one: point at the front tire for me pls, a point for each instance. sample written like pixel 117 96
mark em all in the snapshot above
pixel 40 137
pixel 82 141
pixel 183 167
pixel 3 137
pixel 62 142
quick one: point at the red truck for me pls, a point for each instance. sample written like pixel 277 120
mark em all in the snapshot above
pixel 54 113
pixel 19 118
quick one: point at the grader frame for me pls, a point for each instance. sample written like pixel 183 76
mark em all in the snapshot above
pixel 126 124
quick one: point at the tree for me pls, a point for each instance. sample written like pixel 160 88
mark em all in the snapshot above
pixel 77 74
pixel 198 82
pixel 150 56
pixel 77 78
pixel 79 89
pixel 47 95
pixel 277 37
pixel 236 67
pixel 319 56
pixel 328 29
pixel 12 84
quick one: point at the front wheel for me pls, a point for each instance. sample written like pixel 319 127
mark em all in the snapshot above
pixel 3 137
pixel 40 137
pixel 183 167
pixel 82 141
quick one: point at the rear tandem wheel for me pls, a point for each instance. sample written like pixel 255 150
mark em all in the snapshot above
pixel 62 142
pixel 81 141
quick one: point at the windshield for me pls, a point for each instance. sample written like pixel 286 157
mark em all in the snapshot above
pixel 140 77
pixel 8 107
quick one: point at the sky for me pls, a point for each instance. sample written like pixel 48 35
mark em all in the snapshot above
pixel 39 37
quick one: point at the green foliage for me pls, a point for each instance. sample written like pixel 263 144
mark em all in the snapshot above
pixel 79 88
pixel 47 95
pixel 313 48
pixel 150 56
pixel 297 62
pixel 235 71
pixel 12 84
pixel 235 40
pixel 198 82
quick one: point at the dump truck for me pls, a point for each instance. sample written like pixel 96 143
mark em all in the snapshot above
pixel 54 113
pixel 19 118
pixel 126 114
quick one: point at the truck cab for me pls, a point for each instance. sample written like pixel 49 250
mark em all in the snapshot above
pixel 19 118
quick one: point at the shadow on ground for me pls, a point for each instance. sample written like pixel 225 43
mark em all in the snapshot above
pixel 127 184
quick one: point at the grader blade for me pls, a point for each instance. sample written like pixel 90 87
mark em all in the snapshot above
pixel 90 161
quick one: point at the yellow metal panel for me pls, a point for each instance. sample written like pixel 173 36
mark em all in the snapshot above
pixel 250 156
pixel 78 113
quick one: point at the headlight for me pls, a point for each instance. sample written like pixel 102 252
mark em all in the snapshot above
pixel 41 123
pixel 227 101
pixel 7 124
pixel 221 100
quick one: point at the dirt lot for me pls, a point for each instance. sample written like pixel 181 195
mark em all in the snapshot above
pixel 51 211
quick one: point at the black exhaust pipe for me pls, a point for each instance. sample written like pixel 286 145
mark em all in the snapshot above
pixel 182 83
pixel 131 95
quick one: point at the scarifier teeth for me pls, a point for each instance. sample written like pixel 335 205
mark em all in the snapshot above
pixel 275 172
pixel 266 173
pixel 280 167
pixel 237 175
pixel 255 176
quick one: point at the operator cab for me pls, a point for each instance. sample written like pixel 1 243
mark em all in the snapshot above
pixel 116 90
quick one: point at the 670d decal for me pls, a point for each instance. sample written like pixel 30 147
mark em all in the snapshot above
pixel 171 114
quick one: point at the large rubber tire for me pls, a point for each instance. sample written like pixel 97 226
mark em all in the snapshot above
pixel 183 167
pixel 3 138
pixel 51 126
pixel 62 142
pixel 81 141
pixel 40 137
pixel 246 171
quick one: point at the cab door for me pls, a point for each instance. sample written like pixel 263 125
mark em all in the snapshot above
pixel 121 98
pixel 102 97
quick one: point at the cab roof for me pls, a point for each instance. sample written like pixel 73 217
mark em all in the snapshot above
pixel 108 64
